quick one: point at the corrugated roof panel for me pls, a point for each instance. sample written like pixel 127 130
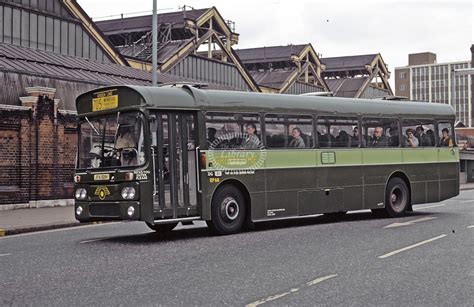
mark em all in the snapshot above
pixel 274 78
pixel 26 60
pixel 269 54
pixel 143 23
pixel 345 87
pixel 348 62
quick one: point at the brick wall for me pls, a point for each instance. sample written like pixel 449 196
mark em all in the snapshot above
pixel 37 150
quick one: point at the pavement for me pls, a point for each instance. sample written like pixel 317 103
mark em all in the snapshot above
pixel 37 219
pixel 423 259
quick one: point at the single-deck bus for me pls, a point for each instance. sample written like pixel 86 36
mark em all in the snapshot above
pixel 164 155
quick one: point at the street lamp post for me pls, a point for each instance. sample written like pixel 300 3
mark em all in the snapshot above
pixel 154 42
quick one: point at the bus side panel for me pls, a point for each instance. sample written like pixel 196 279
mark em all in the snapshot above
pixel 449 180
pixel 252 181
pixel 289 172
pixel 422 171
pixel 344 180
pixel 378 164
pixel 449 172
pixel 342 176
pixel 283 186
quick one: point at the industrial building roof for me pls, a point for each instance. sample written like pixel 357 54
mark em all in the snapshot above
pixel 273 79
pixel 344 63
pixel 269 54
pixel 48 64
pixel 345 87
pixel 143 23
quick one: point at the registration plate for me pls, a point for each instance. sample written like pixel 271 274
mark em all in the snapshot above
pixel 98 177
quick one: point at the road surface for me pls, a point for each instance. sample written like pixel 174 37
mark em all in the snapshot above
pixel 426 258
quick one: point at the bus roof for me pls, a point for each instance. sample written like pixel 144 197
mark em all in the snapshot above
pixel 190 98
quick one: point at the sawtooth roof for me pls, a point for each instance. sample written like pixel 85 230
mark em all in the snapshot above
pixel 344 63
pixel 273 79
pixel 345 87
pixel 144 23
pixel 269 54
pixel 18 59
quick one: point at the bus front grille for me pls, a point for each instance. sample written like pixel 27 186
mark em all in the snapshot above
pixel 108 210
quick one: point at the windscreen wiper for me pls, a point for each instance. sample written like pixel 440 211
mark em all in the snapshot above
pixel 95 129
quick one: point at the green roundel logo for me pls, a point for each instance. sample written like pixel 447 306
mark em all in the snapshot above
pixel 236 151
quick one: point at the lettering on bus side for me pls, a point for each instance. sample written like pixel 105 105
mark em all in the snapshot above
pixel 141 175
pixel 273 212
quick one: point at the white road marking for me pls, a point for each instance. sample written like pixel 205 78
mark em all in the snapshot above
pixel 1 255
pixel 430 206
pixel 472 226
pixel 293 290
pixel 411 246
pixel 56 230
pixel 423 219
pixel 93 240
pixel 467 201
pixel 320 279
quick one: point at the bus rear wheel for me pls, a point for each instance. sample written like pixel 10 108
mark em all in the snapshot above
pixel 227 210
pixel 397 197
pixel 162 227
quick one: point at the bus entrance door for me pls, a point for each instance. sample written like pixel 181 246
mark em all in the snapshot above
pixel 175 188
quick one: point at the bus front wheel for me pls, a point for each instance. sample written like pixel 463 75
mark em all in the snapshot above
pixel 397 197
pixel 227 210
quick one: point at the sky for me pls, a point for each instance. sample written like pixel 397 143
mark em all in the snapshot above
pixel 334 28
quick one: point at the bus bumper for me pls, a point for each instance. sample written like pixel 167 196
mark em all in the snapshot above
pixel 106 211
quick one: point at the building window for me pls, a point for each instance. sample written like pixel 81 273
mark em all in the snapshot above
pixel 403 75
pixel 403 87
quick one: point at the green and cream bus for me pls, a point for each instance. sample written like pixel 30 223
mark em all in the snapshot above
pixel 164 155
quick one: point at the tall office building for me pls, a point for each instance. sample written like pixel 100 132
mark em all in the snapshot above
pixel 425 80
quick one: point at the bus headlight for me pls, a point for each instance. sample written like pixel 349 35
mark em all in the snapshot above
pixel 81 194
pixel 128 193
pixel 130 211
pixel 78 210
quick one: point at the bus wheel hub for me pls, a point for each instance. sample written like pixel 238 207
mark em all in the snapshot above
pixel 394 198
pixel 231 208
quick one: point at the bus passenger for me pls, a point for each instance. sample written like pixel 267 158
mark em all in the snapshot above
pixel 446 140
pixel 125 139
pixel 431 137
pixel 250 140
pixel 378 140
pixel 354 138
pixel 342 140
pixel 324 139
pixel 411 140
pixel 211 137
pixel 394 140
pixel 297 140
pixel 422 137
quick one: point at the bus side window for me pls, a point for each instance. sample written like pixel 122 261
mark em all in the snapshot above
pixel 381 132
pixel 338 132
pixel 232 130
pixel 289 131
pixel 418 133
pixel 446 135
pixel 275 131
